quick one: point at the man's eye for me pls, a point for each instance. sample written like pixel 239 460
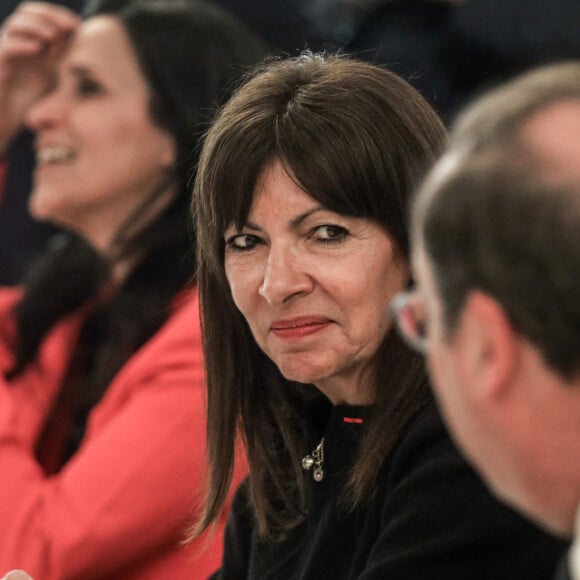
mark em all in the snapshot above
pixel 329 233
pixel 242 242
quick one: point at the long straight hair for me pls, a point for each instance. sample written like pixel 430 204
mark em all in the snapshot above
pixel 190 54
pixel 357 139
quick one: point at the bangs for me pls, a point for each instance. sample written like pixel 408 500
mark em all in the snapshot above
pixel 353 137
pixel 321 161
pixel 235 187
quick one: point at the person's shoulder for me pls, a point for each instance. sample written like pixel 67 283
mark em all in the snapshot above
pixel 425 437
pixel 9 296
pixel 426 452
pixel 429 482
pixel 242 522
pixel 186 305
pixel 174 351
pixel 427 420
pixel 182 327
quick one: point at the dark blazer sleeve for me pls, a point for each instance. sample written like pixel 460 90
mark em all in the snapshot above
pixel 238 538
pixel 440 522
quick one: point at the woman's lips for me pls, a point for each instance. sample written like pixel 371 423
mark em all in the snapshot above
pixel 298 327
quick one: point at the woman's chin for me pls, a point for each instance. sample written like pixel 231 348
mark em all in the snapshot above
pixel 43 205
pixel 302 373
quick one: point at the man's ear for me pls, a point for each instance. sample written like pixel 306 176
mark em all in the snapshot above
pixel 488 345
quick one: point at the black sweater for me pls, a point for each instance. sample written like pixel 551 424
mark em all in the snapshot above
pixel 430 518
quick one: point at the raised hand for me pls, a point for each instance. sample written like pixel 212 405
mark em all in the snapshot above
pixel 32 42
pixel 17 575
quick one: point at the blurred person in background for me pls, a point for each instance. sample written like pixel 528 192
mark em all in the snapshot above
pixel 22 238
pixel 102 437
pixel 496 311
pixel 9 6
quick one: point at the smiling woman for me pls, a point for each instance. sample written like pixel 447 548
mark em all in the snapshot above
pixel 350 268
pixel 300 204
pixel 101 389
pixel 101 98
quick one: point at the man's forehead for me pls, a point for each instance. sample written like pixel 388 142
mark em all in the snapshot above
pixel 553 133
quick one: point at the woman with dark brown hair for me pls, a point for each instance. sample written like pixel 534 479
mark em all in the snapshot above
pixel 101 379
pixel 300 199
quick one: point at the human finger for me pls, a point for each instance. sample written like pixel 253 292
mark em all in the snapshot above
pixel 20 47
pixel 17 575
pixel 60 16
pixel 37 25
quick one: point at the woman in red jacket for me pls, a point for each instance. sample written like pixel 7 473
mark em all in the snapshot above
pixel 101 395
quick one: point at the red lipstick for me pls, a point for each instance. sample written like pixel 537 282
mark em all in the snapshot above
pixel 299 327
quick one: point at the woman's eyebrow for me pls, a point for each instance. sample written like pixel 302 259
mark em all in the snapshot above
pixel 295 222
pixel 79 70
pixel 252 226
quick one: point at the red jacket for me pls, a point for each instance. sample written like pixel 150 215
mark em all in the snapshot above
pixel 118 508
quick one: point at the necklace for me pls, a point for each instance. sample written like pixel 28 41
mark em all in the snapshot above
pixel 316 460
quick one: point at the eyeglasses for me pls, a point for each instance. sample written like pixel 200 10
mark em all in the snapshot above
pixel 409 312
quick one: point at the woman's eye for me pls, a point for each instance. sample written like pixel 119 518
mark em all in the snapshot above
pixel 87 87
pixel 330 233
pixel 242 242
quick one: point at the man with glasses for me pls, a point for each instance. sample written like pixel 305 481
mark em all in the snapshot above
pixel 496 309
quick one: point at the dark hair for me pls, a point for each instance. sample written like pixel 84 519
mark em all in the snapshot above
pixel 190 53
pixel 357 138
pixel 490 218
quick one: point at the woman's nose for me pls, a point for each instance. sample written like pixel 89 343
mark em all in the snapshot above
pixel 284 277
pixel 47 111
